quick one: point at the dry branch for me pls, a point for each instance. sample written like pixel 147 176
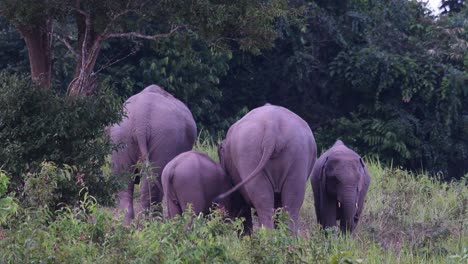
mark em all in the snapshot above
pixel 65 42
pixel 143 36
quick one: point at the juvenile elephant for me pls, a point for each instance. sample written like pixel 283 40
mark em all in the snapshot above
pixel 269 154
pixel 194 178
pixel 340 180
pixel 157 127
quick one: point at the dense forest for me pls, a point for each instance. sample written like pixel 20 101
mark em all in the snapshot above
pixel 387 77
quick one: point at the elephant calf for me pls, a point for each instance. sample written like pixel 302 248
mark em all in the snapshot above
pixel 194 178
pixel 340 180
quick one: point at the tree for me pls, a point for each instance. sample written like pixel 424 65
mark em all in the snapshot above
pixel 384 76
pixel 31 19
pixel 84 25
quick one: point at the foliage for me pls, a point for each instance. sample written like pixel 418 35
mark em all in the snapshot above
pixel 84 26
pixel 8 206
pixel 408 101
pixel 39 125
pixel 13 53
pixel 185 66
pixel 384 76
pixel 53 187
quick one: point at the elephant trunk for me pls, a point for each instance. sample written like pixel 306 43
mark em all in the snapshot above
pixel 348 210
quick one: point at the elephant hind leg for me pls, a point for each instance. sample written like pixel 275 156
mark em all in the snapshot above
pixel 173 208
pixel 292 197
pixel 265 216
pixel 126 203
pixel 262 199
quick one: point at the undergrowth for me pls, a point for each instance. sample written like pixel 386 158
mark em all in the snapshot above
pixel 408 218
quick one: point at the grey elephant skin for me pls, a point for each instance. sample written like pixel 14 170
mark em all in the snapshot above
pixel 340 180
pixel 194 178
pixel 157 127
pixel 269 154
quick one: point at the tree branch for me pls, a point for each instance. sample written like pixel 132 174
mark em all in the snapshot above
pixel 143 36
pixel 79 10
pixel 114 61
pixel 128 9
pixel 66 42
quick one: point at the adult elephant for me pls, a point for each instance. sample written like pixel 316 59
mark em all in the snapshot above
pixel 340 180
pixel 269 154
pixel 157 127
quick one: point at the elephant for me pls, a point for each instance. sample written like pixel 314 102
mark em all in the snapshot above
pixel 340 180
pixel 194 178
pixel 157 127
pixel 269 154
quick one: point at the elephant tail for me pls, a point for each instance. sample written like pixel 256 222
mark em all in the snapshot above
pixel 147 169
pixel 167 180
pixel 144 155
pixel 266 155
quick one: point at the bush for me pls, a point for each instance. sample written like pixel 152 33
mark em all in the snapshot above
pixel 39 125
pixel 7 204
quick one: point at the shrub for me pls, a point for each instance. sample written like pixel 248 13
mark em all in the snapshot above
pixel 39 125
pixel 7 204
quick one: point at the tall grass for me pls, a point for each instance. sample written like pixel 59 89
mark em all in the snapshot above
pixel 408 218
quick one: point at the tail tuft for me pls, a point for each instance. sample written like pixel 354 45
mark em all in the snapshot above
pixel 219 198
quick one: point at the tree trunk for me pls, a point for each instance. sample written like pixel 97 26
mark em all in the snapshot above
pixel 89 43
pixel 39 52
pixel 84 80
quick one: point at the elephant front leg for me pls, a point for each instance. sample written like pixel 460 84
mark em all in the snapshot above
pixel 328 211
pixel 126 203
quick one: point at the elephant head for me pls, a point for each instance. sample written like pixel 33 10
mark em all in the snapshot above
pixel 342 183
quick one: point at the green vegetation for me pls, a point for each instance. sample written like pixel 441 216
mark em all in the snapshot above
pixel 85 26
pixel 408 219
pixel 387 77
pixel 38 125
pixel 8 206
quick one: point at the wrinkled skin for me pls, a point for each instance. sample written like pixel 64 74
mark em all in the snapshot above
pixel 340 180
pixel 194 178
pixel 157 128
pixel 269 154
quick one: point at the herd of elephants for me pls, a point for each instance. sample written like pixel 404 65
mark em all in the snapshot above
pixel 265 162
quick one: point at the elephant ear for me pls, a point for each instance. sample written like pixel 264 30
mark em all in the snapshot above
pixel 323 180
pixel 363 186
pixel 364 180
pixel 322 173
